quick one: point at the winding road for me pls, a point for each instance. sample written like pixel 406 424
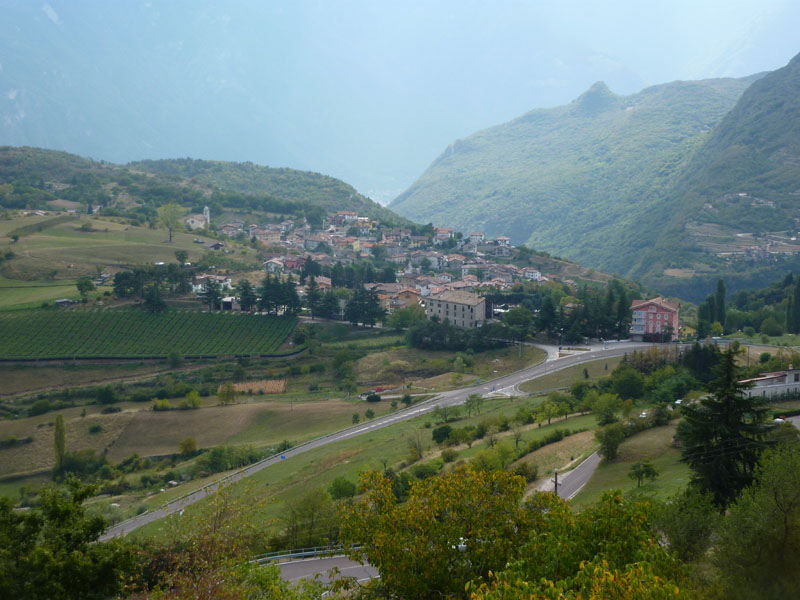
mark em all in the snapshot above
pixel 504 385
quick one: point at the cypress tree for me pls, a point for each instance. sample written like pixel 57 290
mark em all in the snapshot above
pixel 719 303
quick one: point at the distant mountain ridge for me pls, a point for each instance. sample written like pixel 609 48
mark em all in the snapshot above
pixel 568 179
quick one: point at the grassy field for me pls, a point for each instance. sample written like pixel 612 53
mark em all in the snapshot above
pixel 18 379
pixel 434 369
pixel 653 444
pixel 566 377
pixel 72 252
pixel 131 334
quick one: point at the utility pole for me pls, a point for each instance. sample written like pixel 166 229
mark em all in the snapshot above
pixel 555 481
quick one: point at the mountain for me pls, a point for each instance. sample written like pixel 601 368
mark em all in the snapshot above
pixel 736 207
pixel 577 180
pixel 34 177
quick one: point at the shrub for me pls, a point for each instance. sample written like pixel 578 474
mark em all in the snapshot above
pixel 95 428
pixel 449 455
pixel 441 433
pixel 107 410
pixel 39 408
pixel 341 488
pixel 373 397
pixel 425 470
pixel 161 404
pixel 105 395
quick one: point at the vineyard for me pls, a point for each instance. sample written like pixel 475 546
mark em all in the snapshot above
pixel 135 334
pixel 263 386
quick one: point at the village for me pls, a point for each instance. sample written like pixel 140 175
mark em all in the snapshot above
pixel 441 262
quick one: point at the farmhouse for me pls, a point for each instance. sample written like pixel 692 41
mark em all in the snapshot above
pixel 462 309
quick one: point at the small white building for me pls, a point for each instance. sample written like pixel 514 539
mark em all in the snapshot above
pixel 770 385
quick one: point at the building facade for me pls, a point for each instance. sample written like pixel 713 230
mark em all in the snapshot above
pixel 656 319
pixel 462 309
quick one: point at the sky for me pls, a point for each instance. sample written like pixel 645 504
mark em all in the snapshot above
pixel 369 92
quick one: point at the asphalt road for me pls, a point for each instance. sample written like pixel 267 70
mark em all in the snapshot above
pixel 505 385
pixel 309 568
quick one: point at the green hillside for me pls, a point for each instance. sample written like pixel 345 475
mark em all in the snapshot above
pixel 741 192
pixel 577 180
pixel 37 178
pixel 248 178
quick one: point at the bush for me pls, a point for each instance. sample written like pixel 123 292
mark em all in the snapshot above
pixel 441 433
pixel 425 470
pixel 39 408
pixel 373 397
pixel 529 471
pixel 317 368
pixel 449 455
pixel 341 488
pixel 105 395
pixel 161 404
pixel 107 410
pixel 95 428
pixel 771 327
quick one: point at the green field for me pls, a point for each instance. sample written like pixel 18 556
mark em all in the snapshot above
pixel 133 334
pixel 652 444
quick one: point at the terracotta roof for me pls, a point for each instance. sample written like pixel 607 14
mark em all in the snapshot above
pixel 673 306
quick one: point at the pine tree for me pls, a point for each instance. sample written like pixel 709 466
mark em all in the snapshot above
pixel 313 297
pixel 724 433
pixel 247 295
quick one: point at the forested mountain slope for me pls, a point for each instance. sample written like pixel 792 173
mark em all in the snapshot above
pixel 738 201
pixel 579 179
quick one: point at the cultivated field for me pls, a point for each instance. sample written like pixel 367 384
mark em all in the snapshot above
pixel 134 334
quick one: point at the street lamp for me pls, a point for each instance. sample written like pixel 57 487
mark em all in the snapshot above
pixel 555 480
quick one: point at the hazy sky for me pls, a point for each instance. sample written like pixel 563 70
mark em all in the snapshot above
pixel 368 91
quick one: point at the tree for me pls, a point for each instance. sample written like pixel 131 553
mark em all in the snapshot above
pixel 404 318
pixel 211 294
pixel 247 295
pixel 85 285
pixel 722 435
pixel 461 526
pixel 719 303
pixel 313 297
pixel 187 446
pixel 59 441
pixel 356 418
pixel 608 550
pixel 609 438
pixel 170 217
pixel 226 393
pixel 407 399
pixel 153 302
pixel 181 256
pixel 642 469
pixel 687 521
pixel 760 537
pixel 369 413
pixel 474 402
pixel 52 550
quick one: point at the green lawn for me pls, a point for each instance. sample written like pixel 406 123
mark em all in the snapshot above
pixel 566 377
pixel 653 444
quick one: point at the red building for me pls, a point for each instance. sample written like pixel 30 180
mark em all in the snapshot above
pixel 654 319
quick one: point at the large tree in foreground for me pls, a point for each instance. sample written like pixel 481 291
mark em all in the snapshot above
pixel 51 551
pixel 723 434
pixel 453 529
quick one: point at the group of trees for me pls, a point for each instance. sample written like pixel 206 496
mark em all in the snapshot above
pixel 351 276
pixel 554 310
